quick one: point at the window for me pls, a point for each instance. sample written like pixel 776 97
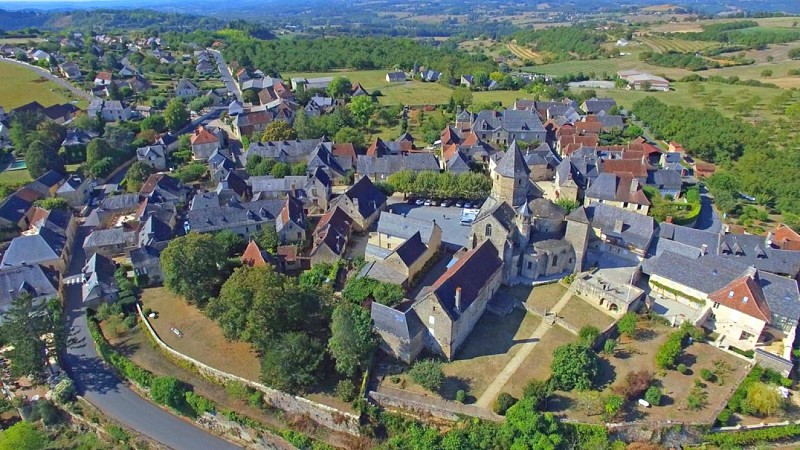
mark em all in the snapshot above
pixel 530 265
pixel 258 227
pixel 488 230
pixel 555 260
pixel 388 246
pixel 716 305
pixel 745 299
pixel 299 235
pixel 730 294
pixel 625 205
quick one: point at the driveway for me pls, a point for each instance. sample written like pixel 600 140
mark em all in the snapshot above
pixel 709 219
pixel 226 75
pixel 100 386
pixel 60 81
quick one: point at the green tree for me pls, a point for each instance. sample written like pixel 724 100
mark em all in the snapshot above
pixel 250 96
pixel 588 334
pixel 540 391
pixel 503 402
pixel 280 170
pixel 299 169
pixel 653 395
pixel 567 205
pixel 41 158
pixel 191 267
pixel 461 97
pixel 155 122
pixel 167 391
pixel 291 361
pixel 26 322
pixel 137 174
pixel 524 428
pixel 279 130
pixel 574 366
pixel 350 135
pixel 362 108
pixel 428 374
pixel 96 150
pixel 23 436
pixel 230 242
pixel 763 400
pixel 627 324
pixel 613 406
pixel 51 203
pixel 340 87
pixel 352 341
pixel 176 115
pixel 268 239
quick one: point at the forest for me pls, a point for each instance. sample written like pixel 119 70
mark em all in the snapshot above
pixel 563 41
pixel 761 161
pixel 106 20
pixel 320 55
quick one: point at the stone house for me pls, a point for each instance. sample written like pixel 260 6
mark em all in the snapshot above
pixel 331 236
pixel 75 190
pixel 291 222
pixel 205 142
pixel 363 202
pixel 154 156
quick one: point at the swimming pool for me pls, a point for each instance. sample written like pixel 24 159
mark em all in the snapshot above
pixel 18 164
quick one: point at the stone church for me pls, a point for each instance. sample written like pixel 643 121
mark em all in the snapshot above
pixel 526 229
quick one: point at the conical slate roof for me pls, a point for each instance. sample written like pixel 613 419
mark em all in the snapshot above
pixel 512 163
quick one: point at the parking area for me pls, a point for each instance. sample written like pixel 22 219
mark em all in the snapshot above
pixel 454 235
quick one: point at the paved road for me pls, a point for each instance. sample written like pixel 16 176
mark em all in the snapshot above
pixel 104 390
pixel 226 75
pixel 709 219
pixel 60 81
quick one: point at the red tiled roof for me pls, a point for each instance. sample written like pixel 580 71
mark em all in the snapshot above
pixel 345 149
pixel 786 238
pixel 744 294
pixel 106 76
pixel 287 252
pixel 632 167
pixel 202 136
pixel 378 148
pixel 589 127
pixel 253 256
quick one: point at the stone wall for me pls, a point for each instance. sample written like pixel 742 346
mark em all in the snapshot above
pixel 424 406
pixel 324 415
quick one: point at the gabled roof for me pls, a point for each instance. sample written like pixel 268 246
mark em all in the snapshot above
pixel 161 187
pixel 368 197
pixel 29 278
pixel 253 256
pixel 292 211
pixel 470 273
pixel 102 238
pixel 744 294
pixel 404 325
pixel 46 245
pixel 120 202
pixel 234 215
pixel 378 148
pixel 512 163
pixel 501 211
pixel 786 238
pixel 411 250
pixel 332 231
pixel 637 229
pixel 619 188
pixel 203 136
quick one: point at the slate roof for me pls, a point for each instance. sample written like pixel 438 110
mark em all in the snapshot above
pixel 611 120
pixel 369 198
pixel 514 121
pixel 609 186
pixel 17 280
pixel 154 232
pixel 544 208
pixel 46 245
pixel 143 255
pixel 120 202
pixel 458 163
pixel 753 250
pixel 637 229
pixel 390 164
pixel 501 211
pixel 333 231
pixel 14 208
pixel 512 162
pixel 103 238
pixel 321 157
pixel 158 151
pixel 706 274
pixel 403 227
pixel 292 211
pixel 161 187
pixel 471 273
pixel 76 137
pixel 781 294
pixel 233 215
pixel 294 150
pixel 396 76
pixel 282 185
pixel 411 250
pixel 204 200
pixel 595 105
pixel 404 325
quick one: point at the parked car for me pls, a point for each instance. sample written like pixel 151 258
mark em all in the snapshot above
pixel 459 203
pixel 412 201
pixel 419 202
pixel 468 205
pixel 447 203
pixel 428 202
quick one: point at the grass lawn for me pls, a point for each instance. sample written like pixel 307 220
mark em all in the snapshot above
pixel 202 338
pixel 21 85
pixel 15 176
pixel 407 93
pixel 579 313
pixel 537 364
pixel 487 350
pixel 507 98
pixel 638 354
pixel 540 297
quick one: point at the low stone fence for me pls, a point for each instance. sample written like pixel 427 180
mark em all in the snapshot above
pixel 324 415
pixel 421 405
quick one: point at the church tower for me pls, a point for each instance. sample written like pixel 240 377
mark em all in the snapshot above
pixel 523 223
pixel 510 177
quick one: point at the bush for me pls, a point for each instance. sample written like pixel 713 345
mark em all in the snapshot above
pixel 110 355
pixel 634 385
pixel 64 391
pixel 609 346
pixel 763 400
pixel 588 334
pixel 503 402
pixel 199 404
pixel 428 374
pixel 237 390
pixel 346 390
pixel 45 411
pixel 613 405
pixel 167 391
pixel 461 396
pixel 627 324
pixel 751 437
pixel 540 391
pixel 574 366
pixel 255 399
pixel 129 322
pixel 653 396
pixel 672 349
pixel 682 368
pixel 724 417
pixel 707 375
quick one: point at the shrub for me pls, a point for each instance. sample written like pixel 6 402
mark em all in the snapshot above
pixel 751 437
pixel 609 346
pixel 627 324
pixel 707 375
pixel 724 417
pixel 653 396
pixel 255 399
pixel 130 321
pixel 237 390
pixel 167 391
pixel 428 374
pixel 118 433
pixel 683 369
pixel 574 366
pixel 64 391
pixel 671 349
pixel 199 404
pixel 634 385
pixel 540 391
pixel 346 390
pixel 461 396
pixel 763 400
pixel 588 334
pixel 503 402
pixel 613 405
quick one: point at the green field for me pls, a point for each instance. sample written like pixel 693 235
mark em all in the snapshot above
pixel 408 93
pixel 21 86
pixel 15 176
pixel 663 44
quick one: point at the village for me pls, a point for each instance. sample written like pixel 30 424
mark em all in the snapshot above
pixel 544 243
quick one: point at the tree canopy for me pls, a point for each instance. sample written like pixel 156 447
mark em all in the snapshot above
pixel 176 115
pixel 352 341
pixel 191 267
pixel 291 361
pixel 41 158
pixel 25 324
pixel 574 366
pixel 279 130
pixel 137 174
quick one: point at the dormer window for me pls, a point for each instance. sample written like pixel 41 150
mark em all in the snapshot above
pixel 745 299
pixel 730 294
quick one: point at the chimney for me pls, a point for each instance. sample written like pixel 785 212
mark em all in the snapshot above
pixel 634 185
pixel 458 299
pixel 618 226
pixel 704 249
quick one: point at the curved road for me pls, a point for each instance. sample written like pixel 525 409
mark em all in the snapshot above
pixel 100 386
pixel 45 73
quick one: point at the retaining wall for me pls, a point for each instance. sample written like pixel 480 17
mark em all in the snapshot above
pixel 324 415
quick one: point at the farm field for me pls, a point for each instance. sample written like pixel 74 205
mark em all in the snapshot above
pixel 21 86
pixel 685 27
pixel 663 44
pixel 525 53
pixel 407 93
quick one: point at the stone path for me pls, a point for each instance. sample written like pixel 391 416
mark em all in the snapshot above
pixel 491 392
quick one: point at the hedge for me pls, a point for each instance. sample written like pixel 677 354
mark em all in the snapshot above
pixel 110 355
pixel 751 437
